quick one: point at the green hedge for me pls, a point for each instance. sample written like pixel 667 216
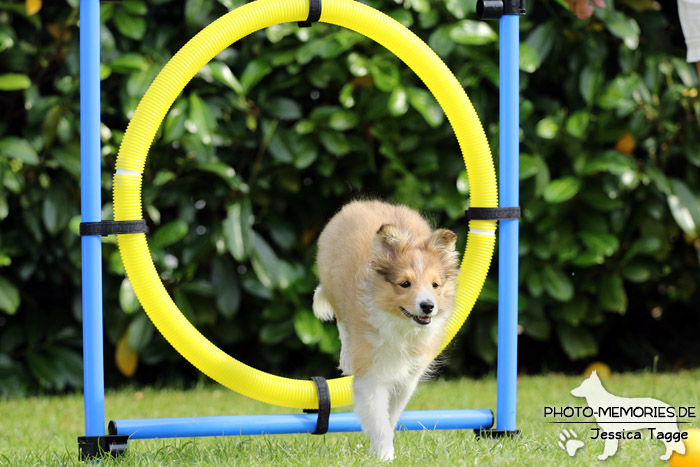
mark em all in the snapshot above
pixel 282 128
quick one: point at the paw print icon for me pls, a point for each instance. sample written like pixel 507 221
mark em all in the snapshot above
pixel 569 442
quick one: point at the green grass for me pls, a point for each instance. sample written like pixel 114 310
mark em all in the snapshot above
pixel 43 430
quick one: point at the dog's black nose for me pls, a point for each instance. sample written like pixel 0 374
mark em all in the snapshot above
pixel 427 307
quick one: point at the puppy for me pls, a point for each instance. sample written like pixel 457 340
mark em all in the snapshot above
pixel 388 279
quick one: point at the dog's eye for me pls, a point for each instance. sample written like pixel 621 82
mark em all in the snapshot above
pixel 405 284
pixel 435 285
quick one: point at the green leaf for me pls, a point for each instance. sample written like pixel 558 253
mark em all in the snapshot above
pixel 601 244
pixel 590 81
pixel 128 63
pixel 253 73
pixel 4 211
pixel 19 149
pixel 343 120
pixel 280 145
pixel 174 125
pixel 127 298
pixel 557 284
pixel 201 121
pixel 530 60
pixel 402 16
pixel 636 272
pixel 384 72
pixel 441 42
pixel 274 333
pixel 572 312
pixel 622 94
pixel 70 363
pixel 44 369
pixel 542 39
pixel 265 262
pixel 238 229
pixel 398 102
pixel 283 108
pixel 139 333
pixel 561 189
pixel 547 128
pixel 7 38
pixel 277 32
pixel 307 327
pixel 426 105
pixel 170 233
pixel 612 293
pixel 223 74
pixel 9 297
pixel 610 162
pixel 527 167
pixel 335 143
pixel 305 152
pixel 136 7
pixel 57 209
pixel 647 245
pixel 330 341
pixel 225 172
pixel 470 32
pixel 133 27
pixel 14 82
pixel 577 342
pixel 534 283
pixel 577 123
pixel 228 291
pixel 197 12
pixel 622 26
pixel 68 157
pixel 685 207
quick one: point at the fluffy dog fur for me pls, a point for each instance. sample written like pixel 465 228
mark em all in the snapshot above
pixel 388 279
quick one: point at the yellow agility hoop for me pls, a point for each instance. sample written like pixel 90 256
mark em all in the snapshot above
pixel 151 111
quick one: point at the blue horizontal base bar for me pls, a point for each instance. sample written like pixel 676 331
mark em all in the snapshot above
pixel 234 425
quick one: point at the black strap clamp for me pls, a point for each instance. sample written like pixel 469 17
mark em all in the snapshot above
pixel 314 14
pixel 492 214
pixel 324 405
pixel 104 228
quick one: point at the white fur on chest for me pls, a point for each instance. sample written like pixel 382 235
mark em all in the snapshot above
pixel 400 349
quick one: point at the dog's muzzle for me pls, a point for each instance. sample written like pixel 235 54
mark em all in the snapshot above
pixel 420 320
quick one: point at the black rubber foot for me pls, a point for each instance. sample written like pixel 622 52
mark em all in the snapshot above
pixel 496 434
pixel 91 447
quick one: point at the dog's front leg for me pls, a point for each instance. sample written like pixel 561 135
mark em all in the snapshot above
pixel 399 398
pixel 372 408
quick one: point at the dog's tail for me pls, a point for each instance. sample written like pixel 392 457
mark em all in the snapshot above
pixel 322 307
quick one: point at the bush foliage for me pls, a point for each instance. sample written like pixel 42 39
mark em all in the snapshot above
pixel 282 128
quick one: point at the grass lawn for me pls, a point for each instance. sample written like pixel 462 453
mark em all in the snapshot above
pixel 43 430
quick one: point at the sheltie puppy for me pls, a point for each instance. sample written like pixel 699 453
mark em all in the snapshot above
pixel 388 279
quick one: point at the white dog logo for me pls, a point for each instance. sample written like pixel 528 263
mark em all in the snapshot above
pixel 616 415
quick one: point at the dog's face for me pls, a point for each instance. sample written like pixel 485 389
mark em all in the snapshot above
pixel 415 277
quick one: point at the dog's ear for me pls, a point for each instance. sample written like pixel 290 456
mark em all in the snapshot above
pixel 389 240
pixel 387 244
pixel 442 242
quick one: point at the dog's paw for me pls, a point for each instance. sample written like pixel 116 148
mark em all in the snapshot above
pixel 387 455
pixel 569 442
pixel 384 453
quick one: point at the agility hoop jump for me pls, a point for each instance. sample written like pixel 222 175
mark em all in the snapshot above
pixel 157 303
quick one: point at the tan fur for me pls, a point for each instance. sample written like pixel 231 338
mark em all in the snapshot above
pixel 389 280
pixel 364 252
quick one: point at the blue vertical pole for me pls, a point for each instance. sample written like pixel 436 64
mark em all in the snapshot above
pixel 90 205
pixel 508 188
